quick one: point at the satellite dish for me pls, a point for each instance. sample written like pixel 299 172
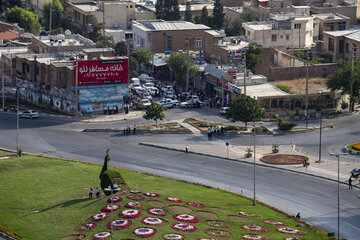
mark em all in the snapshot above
pixel 60 37
pixel 67 32
pixel 222 31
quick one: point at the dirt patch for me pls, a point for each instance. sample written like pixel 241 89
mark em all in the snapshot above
pixel 180 209
pixel 238 218
pixel 298 86
pixel 283 159
pixel 75 237
pixel 156 203
pixel 216 223
pixel 218 233
pixel 220 209
pixel 207 214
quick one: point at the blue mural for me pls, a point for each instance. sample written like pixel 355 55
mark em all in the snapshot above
pixel 103 93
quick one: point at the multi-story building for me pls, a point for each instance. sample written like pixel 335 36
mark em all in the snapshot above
pixel 331 22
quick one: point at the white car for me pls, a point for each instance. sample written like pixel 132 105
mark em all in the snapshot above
pixel 223 110
pixel 167 88
pixel 143 76
pixel 192 103
pixel 137 86
pixel 146 102
pixel 29 114
pixel 170 94
pixel 153 90
pixel 148 85
pixel 147 95
pixel 169 103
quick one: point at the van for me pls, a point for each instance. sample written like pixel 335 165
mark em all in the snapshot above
pixel 135 80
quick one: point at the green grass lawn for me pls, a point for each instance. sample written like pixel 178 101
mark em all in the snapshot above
pixel 5 153
pixel 58 189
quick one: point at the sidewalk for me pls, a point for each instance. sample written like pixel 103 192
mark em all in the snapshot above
pixel 114 117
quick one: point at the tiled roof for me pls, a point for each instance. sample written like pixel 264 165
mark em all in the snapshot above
pixel 8 35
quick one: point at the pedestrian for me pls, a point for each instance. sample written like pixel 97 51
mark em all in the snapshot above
pixel 129 129
pixel 134 130
pixel 211 132
pixel 97 191
pixel 222 130
pixel 108 110
pixel 350 183
pixel 124 130
pixel 208 132
pixel 298 215
pixel 187 149
pixel 90 193
pixel 116 109
pixel 104 110
pixel 218 130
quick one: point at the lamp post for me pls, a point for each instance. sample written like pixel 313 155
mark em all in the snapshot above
pixel 17 119
pixel 319 161
pixel 338 190
pixel 254 129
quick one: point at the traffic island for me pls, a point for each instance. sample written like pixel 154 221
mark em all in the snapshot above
pixel 353 148
pixel 284 159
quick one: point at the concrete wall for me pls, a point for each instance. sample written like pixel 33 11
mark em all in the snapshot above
pixel 349 11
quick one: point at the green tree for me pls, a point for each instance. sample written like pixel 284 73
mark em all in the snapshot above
pixel 342 79
pixel 96 29
pixel 253 55
pixel 188 15
pixel 133 64
pixel 26 19
pixel 204 15
pixel 178 63
pixel 172 11
pixel 159 9
pixel 57 9
pixel 155 112
pixel 120 48
pixel 301 54
pixel 245 109
pixel 143 56
pixel 219 14
pixel 105 41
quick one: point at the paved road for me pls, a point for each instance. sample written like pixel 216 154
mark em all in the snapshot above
pixel 316 199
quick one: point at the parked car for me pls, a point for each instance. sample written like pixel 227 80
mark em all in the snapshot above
pixel 167 88
pixel 146 102
pixel 168 103
pixel 143 76
pixel 223 110
pixel 147 95
pixel 191 103
pixel 29 114
pixel 137 86
pixel 152 90
pixel 170 94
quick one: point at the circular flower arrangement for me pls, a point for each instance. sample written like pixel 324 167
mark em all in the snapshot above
pixel 135 191
pixel 171 199
pixel 88 226
pixel 356 146
pixel 150 194
pixel 292 238
pixel 253 237
pixel 119 224
pixel 130 213
pixel 157 211
pixel 184 227
pixel 254 228
pixel 99 216
pixel 195 204
pixel 151 221
pixel 108 208
pixel 291 231
pixel 247 214
pixel 144 232
pixel 114 199
pixel 277 223
pixel 186 218
pixel 101 235
pixel 206 239
pixel 136 197
pixel 135 205
pixel 218 233
pixel 170 236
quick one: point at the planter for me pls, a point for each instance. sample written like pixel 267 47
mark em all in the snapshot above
pixel 248 155
pixel 275 150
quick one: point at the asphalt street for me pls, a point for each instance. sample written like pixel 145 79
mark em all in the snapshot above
pixel 315 198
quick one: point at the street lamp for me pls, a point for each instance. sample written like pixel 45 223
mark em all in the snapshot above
pixel 338 189
pixel 17 118
pixel 254 129
pixel 321 92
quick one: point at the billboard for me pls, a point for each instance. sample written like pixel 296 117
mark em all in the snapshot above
pixel 101 72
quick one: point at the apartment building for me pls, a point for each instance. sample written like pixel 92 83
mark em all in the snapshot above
pixel 331 22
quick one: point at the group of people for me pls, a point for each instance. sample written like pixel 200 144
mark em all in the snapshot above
pixel 214 102
pixel 97 192
pixel 111 110
pixel 215 131
pixel 127 130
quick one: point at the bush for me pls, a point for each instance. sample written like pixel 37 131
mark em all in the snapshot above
pixel 139 106
pixel 344 105
pixel 19 151
pixel 229 128
pixel 285 125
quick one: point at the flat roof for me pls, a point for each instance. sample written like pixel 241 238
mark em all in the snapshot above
pixel 161 25
pixel 86 7
pixel 263 90
pixel 330 16
pixel 197 6
pixel 11 50
pixel 259 25
pixel 342 32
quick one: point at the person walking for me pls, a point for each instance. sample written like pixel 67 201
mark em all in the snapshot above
pixel 129 129
pixel 350 183
pixel 90 193
pixel 208 133
pixel 134 129
pixel 97 191
pixel 222 130
pixel 124 130
pixel 187 149
pixel 298 215
pixel 104 110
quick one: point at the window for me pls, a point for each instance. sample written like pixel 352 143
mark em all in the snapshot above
pixel 331 44
pixel 131 6
pixel 341 46
pixel 347 47
pixel 248 33
pixel 273 38
pixel 198 43
pixel 142 42
pixel 341 26
pixel 281 36
pixel 297 25
pixel 287 37
pixel 330 26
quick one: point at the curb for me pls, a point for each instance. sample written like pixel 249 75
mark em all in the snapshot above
pixel 241 161
pixel 137 131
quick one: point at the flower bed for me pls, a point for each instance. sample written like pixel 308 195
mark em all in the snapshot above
pixel 247 214
pixel 207 239
pixel 149 194
pixel 151 221
pixel 136 197
pixel 119 224
pixel 157 211
pixel 114 199
pixel 130 213
pixel 292 238
pixel 144 232
pixel 99 216
pixel 184 227
pixel 216 223
pixel 291 231
pixel 186 218
pixel 135 191
pixel 273 222
pixel 108 208
pixel 283 159
pixel 356 146
pixel 195 204
pixel 134 205
pixel 101 235
pixel 218 233
pixel 167 127
pixel 171 236
pixel 87 226
pixel 253 237
pixel 254 228
pixel 177 200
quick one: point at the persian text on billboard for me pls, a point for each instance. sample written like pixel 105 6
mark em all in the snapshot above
pixel 102 72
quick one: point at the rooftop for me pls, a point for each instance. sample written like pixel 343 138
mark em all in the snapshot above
pixel 343 32
pixel 8 35
pixel 61 40
pixel 259 25
pixel 330 16
pixel 86 7
pixel 263 90
pixel 161 25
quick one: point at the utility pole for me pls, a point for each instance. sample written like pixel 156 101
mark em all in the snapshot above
pixel 104 18
pixel 187 63
pixel 50 22
pixel 3 91
pixel 351 78
pixel 76 90
pixel 307 91
pixel 245 73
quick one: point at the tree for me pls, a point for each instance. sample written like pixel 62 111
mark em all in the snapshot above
pixel 96 30
pixel 121 48
pixel 188 15
pixel 172 11
pixel 342 78
pixel 177 63
pixel 143 56
pixel 105 41
pixel 219 14
pixel 204 15
pixel 159 9
pixel 9 4
pixel 253 55
pixel 245 109
pixel 57 10
pixel 133 64
pixel 155 112
pixel 26 19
